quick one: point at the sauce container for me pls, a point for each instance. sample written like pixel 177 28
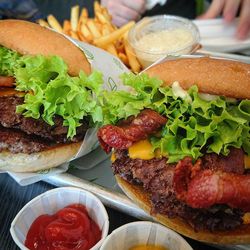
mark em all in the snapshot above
pixel 156 37
pixel 144 233
pixel 52 201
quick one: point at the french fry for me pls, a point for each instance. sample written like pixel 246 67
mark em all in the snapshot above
pixel 124 58
pixel 43 23
pixel 93 29
pixel 105 40
pixel 101 18
pixel 66 27
pixel 105 30
pixel 86 33
pixel 106 14
pixel 120 46
pixel 111 49
pixel 97 7
pixel 84 14
pixel 99 26
pixel 82 38
pixel 133 62
pixel 74 17
pixel 54 23
pixel 108 27
pixel 74 35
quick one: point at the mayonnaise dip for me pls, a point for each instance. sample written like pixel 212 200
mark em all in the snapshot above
pixel 165 41
pixel 155 45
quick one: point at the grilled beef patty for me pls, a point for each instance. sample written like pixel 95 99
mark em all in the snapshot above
pixel 156 177
pixel 30 135
pixel 17 141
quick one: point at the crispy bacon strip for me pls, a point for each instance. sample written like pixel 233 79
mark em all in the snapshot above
pixel 7 81
pixel 135 129
pixel 204 188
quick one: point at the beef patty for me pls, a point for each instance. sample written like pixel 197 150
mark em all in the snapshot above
pixel 20 134
pixel 156 177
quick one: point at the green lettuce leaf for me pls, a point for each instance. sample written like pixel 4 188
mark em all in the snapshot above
pixel 8 60
pixel 122 104
pixel 51 91
pixel 194 127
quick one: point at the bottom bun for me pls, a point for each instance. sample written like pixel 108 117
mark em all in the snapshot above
pixel 50 158
pixel 141 198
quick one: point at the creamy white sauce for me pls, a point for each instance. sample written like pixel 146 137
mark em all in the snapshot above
pixel 178 91
pixel 208 97
pixel 165 40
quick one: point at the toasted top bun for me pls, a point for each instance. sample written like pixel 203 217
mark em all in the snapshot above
pixel 31 39
pixel 46 159
pixel 141 198
pixel 212 76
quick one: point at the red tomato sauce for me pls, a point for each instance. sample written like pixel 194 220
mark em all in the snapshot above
pixel 70 228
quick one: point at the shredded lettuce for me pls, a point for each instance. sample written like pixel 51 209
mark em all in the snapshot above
pixel 194 127
pixel 51 91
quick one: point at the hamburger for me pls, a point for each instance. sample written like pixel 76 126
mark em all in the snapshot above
pixel 180 143
pixel 47 97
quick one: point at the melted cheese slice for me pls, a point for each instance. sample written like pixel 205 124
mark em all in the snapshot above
pixel 247 161
pixel 113 157
pixel 246 218
pixel 142 150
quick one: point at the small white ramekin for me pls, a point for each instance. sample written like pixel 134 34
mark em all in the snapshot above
pixel 52 201
pixel 144 233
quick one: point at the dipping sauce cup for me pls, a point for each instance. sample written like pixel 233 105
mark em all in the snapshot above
pixel 153 38
pixel 49 203
pixel 144 235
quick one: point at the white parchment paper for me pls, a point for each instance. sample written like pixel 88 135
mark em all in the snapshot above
pixel 111 68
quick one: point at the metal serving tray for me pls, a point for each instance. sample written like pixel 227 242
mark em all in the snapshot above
pixel 93 173
pixel 99 180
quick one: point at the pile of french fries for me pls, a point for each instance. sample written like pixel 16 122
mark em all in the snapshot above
pixel 98 31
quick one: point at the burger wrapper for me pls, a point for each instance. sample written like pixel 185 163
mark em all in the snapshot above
pixel 52 201
pixel 111 68
pixel 144 233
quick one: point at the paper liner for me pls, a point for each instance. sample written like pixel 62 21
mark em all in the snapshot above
pixel 52 201
pixel 144 232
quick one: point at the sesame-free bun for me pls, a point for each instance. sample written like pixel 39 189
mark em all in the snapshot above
pixel 46 159
pixel 212 76
pixel 31 39
pixel 240 235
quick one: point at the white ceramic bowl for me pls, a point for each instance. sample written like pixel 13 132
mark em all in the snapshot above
pixel 52 201
pixel 143 233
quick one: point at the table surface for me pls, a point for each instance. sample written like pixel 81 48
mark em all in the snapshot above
pixel 13 197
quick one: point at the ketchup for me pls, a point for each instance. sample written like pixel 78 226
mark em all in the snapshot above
pixel 70 228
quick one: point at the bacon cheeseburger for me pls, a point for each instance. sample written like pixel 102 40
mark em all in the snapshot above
pixel 46 99
pixel 181 146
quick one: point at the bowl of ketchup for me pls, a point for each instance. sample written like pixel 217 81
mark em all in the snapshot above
pixel 61 219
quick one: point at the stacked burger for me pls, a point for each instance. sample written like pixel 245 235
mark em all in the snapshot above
pixel 181 145
pixel 47 97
